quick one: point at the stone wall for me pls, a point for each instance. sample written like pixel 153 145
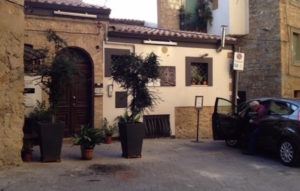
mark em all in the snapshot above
pixel 85 34
pixel 290 16
pixel 186 122
pixel 262 48
pixel 11 81
pixel 168 13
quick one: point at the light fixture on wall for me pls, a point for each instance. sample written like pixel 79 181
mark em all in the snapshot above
pixel 110 88
pixel 85 15
pixel 170 43
pixel 203 55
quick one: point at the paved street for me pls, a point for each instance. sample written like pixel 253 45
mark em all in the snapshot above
pixel 167 164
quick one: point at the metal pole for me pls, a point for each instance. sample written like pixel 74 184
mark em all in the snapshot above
pixel 198 111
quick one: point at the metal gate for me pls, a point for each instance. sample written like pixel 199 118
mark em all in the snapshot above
pixel 157 126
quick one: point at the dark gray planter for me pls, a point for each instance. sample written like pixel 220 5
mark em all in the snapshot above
pixel 131 136
pixel 51 136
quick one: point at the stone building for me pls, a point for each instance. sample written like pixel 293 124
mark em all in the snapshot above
pixel 190 66
pixel 11 81
pixel 272 50
pixel 82 27
pixel 168 13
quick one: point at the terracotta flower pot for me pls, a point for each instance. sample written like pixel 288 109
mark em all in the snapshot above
pixel 108 139
pixel 87 154
pixel 27 157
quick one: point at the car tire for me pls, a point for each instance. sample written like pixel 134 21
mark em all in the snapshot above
pixel 231 142
pixel 288 152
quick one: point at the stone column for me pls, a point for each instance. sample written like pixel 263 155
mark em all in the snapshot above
pixel 11 81
pixel 168 13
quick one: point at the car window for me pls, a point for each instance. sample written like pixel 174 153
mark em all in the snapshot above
pixel 293 107
pixel 281 108
pixel 224 107
pixel 246 111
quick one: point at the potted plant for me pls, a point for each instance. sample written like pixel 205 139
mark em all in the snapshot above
pixel 31 129
pixel 27 149
pixel 197 79
pixel 54 76
pixel 133 73
pixel 108 131
pixel 88 139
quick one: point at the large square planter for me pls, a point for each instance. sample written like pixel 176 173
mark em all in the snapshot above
pixel 131 136
pixel 51 136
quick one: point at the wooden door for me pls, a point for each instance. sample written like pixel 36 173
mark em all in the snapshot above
pixel 74 107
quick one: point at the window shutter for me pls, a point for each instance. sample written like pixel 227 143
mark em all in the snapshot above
pixel 187 72
pixel 210 72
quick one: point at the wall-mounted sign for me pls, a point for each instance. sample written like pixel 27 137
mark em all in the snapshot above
pixel 238 62
pixel 98 89
pixel 199 102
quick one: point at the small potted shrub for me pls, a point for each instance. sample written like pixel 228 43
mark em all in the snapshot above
pixel 133 73
pixel 108 131
pixel 88 139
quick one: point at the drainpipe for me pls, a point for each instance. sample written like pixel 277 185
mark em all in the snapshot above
pixel 235 83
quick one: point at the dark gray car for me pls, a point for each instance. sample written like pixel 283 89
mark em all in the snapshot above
pixel 280 128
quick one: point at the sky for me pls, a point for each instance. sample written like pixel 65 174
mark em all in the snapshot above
pixel 145 10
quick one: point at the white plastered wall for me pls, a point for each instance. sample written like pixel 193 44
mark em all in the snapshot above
pixel 234 14
pixel 180 95
pixel 30 99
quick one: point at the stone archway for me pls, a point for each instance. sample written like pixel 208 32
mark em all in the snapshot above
pixel 75 106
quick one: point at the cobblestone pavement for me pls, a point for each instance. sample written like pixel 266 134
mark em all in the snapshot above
pixel 167 164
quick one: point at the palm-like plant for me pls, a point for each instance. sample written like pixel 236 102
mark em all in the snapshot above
pixel 89 137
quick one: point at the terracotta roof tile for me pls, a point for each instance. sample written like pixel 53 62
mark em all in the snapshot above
pixel 127 21
pixel 143 30
pixel 72 3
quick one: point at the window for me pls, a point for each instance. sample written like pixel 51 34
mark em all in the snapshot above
pixel 215 4
pixel 296 48
pixel 297 94
pixel 167 75
pixel 198 71
pixel 33 59
pixel 121 99
pixel 110 56
pixel 280 108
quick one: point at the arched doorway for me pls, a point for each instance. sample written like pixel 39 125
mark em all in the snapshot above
pixel 75 105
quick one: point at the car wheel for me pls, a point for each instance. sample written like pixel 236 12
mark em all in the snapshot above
pixel 287 152
pixel 231 142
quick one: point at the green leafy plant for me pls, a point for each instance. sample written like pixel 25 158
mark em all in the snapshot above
pixel 109 129
pixel 197 78
pixel 125 118
pixel 56 76
pixel 133 73
pixel 89 137
pixel 198 20
pixel 41 112
pixel 58 73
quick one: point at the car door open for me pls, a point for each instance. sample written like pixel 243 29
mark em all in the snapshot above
pixel 224 121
